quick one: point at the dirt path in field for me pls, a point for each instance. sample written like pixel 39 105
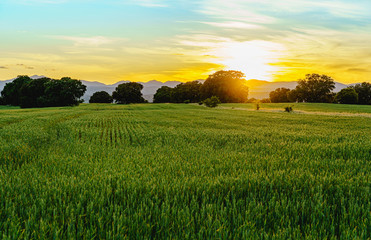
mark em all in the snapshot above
pixel 342 114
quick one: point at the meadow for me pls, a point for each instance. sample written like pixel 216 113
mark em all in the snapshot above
pixel 180 171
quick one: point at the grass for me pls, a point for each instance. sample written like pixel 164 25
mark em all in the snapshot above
pixel 309 107
pixel 178 171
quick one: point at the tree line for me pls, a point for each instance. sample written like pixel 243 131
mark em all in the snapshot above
pixel 319 88
pixel 42 92
pixel 222 86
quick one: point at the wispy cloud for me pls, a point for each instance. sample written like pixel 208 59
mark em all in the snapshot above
pixel 238 25
pixel 94 41
pixel 149 3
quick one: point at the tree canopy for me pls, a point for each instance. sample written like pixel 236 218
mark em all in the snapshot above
pixel 189 91
pixel 163 95
pixel 126 93
pixel 364 92
pixel 347 96
pixel 43 92
pixel 228 86
pixel 314 88
pixel 280 95
pixel 101 97
pixel 11 93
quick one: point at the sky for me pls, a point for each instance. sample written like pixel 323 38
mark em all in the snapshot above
pixel 142 40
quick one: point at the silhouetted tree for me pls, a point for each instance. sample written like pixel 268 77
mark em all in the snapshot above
pixel 292 96
pixel 43 92
pixel 126 93
pixel 228 86
pixel 189 91
pixel 63 92
pixel 101 97
pixel 279 95
pixel 33 93
pixel 315 88
pixel 12 91
pixel 2 102
pixel 163 95
pixel 364 92
pixel 347 96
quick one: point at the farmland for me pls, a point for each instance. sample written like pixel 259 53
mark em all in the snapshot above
pixel 184 171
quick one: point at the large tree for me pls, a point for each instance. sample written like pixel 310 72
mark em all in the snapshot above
pixel 63 92
pixel 163 95
pixel 11 93
pixel 101 97
pixel 43 92
pixel 33 92
pixel 189 91
pixel 280 95
pixel 126 93
pixel 315 88
pixel 364 92
pixel 228 86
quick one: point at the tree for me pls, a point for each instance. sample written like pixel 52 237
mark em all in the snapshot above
pixel 101 97
pixel 315 88
pixel 186 91
pixel 228 86
pixel 126 93
pixel 12 91
pixel 364 92
pixel 279 95
pixel 212 102
pixel 347 96
pixel 2 102
pixel 32 93
pixel 163 95
pixel 63 92
pixel 292 96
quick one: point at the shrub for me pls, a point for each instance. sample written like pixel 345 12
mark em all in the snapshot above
pixel 288 109
pixel 212 102
pixel 257 106
pixel 200 103
pixel 187 101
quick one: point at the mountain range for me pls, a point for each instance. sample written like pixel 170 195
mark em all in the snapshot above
pixel 258 89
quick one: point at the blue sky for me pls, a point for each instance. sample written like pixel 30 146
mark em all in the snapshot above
pixel 115 40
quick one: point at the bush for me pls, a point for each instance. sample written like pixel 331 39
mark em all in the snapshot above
pixel 257 106
pixel 212 102
pixel 288 109
pixel 187 101
pixel 200 103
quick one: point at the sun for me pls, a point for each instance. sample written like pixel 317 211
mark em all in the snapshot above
pixel 254 58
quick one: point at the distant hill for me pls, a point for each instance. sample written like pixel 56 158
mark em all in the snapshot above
pixel 257 88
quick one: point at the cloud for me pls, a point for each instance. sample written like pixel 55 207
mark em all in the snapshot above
pixel 149 3
pixel 238 25
pixel 95 41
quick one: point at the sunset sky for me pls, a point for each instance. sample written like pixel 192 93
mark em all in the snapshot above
pixel 143 40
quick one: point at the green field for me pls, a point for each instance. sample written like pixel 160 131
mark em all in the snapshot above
pixel 177 171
